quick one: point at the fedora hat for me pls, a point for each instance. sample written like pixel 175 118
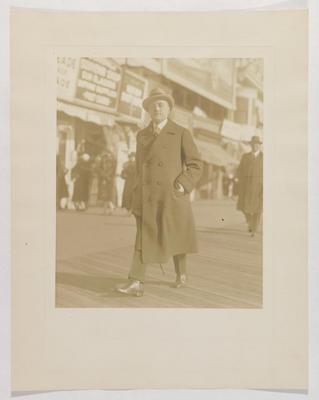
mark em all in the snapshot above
pixel 158 94
pixel 255 139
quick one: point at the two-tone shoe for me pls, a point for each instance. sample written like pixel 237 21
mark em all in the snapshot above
pixel 132 288
pixel 181 281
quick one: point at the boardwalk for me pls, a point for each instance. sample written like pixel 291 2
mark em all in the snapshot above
pixel 94 252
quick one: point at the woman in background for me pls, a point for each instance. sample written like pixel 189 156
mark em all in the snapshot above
pixel 62 192
pixel 106 181
pixel 81 178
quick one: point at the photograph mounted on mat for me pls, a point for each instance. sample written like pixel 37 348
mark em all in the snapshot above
pixel 170 224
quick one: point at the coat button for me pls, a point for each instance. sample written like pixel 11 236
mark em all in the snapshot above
pixel 160 164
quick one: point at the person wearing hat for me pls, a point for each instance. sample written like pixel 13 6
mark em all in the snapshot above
pixel 168 166
pixel 250 185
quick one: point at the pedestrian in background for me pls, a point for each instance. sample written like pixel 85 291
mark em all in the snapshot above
pixel 81 178
pixel 128 174
pixel 107 181
pixel 80 148
pixel 225 183
pixel 168 166
pixel 62 192
pixel 231 185
pixel 250 185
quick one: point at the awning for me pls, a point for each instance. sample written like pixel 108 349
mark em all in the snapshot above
pixel 246 148
pixel 239 132
pixel 206 124
pixel 85 114
pixel 214 154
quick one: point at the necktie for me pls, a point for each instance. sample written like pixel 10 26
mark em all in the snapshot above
pixel 156 130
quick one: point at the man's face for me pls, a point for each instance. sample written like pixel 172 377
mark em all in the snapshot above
pixel 159 110
pixel 255 147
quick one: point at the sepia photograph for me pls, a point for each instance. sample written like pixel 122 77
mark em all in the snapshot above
pixel 159 182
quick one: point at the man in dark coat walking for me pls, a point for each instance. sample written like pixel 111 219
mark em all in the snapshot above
pixel 250 185
pixel 168 166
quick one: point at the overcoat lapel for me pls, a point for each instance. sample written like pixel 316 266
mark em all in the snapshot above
pixel 150 142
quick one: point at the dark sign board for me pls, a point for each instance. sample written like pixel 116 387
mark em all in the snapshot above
pixel 131 95
pixel 98 83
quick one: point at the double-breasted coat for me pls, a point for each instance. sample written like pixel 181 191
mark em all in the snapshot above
pixel 165 220
pixel 250 183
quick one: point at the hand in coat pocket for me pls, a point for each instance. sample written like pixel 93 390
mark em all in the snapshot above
pixel 179 190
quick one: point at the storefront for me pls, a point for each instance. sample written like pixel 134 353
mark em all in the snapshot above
pixel 78 135
pixel 99 107
pixel 216 162
pixel 88 91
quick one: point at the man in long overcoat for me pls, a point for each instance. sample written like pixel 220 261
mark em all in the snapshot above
pixel 168 166
pixel 250 185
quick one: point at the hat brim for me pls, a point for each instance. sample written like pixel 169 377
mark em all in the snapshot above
pixel 151 99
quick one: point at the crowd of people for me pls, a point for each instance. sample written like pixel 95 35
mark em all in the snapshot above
pixel 93 180
pixel 98 175
pixel 73 187
pixel 100 172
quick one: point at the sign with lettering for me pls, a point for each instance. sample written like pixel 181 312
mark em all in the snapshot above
pixel 67 72
pixel 131 95
pixel 98 83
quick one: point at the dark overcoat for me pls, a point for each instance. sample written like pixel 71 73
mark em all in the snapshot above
pixel 128 174
pixel 250 183
pixel 165 219
pixel 81 174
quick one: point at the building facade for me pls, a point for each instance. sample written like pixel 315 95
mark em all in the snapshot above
pixel 99 107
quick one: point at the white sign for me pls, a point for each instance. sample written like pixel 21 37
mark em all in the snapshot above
pixel 67 71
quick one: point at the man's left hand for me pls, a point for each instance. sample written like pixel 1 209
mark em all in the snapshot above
pixel 180 188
